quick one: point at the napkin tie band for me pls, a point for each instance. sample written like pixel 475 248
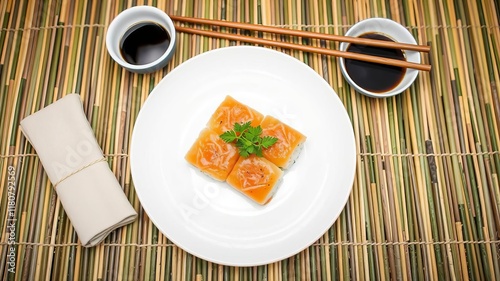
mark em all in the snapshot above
pixel 79 170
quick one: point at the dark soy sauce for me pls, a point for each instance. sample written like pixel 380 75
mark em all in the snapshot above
pixel 375 77
pixel 144 43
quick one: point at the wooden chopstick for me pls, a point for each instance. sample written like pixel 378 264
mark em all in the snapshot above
pixel 329 52
pixel 305 34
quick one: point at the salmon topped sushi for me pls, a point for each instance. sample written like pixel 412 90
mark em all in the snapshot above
pixel 255 177
pixel 290 141
pixel 212 156
pixel 231 111
pixel 245 149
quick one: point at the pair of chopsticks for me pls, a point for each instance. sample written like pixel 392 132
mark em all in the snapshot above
pixel 304 34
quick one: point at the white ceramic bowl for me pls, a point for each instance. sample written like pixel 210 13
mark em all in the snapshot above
pixel 129 18
pixel 396 32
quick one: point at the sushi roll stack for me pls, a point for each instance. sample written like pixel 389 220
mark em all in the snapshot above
pixel 212 156
pixel 256 177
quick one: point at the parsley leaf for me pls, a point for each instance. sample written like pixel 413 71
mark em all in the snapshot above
pixel 267 141
pixel 241 128
pixel 229 136
pixel 255 131
pixel 248 139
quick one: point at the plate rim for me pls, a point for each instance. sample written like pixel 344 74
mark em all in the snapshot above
pixel 283 256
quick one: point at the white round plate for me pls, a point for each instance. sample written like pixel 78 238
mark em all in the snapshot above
pixel 208 218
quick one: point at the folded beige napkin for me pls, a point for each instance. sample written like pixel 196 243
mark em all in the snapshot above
pixel 89 192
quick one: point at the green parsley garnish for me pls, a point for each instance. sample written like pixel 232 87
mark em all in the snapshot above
pixel 248 139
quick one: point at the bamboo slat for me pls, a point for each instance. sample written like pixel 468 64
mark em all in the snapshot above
pixel 425 203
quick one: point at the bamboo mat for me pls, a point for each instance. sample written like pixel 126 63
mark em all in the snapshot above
pixel 425 201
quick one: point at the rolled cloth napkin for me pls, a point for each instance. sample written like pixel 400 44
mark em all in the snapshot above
pixel 89 192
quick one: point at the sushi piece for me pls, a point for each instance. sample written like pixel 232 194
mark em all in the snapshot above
pixel 289 145
pixel 255 177
pixel 231 111
pixel 212 156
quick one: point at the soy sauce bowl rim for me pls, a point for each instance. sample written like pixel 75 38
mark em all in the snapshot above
pixel 129 18
pixel 396 32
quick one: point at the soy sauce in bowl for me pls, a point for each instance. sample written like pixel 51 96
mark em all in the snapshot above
pixel 375 77
pixel 144 43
